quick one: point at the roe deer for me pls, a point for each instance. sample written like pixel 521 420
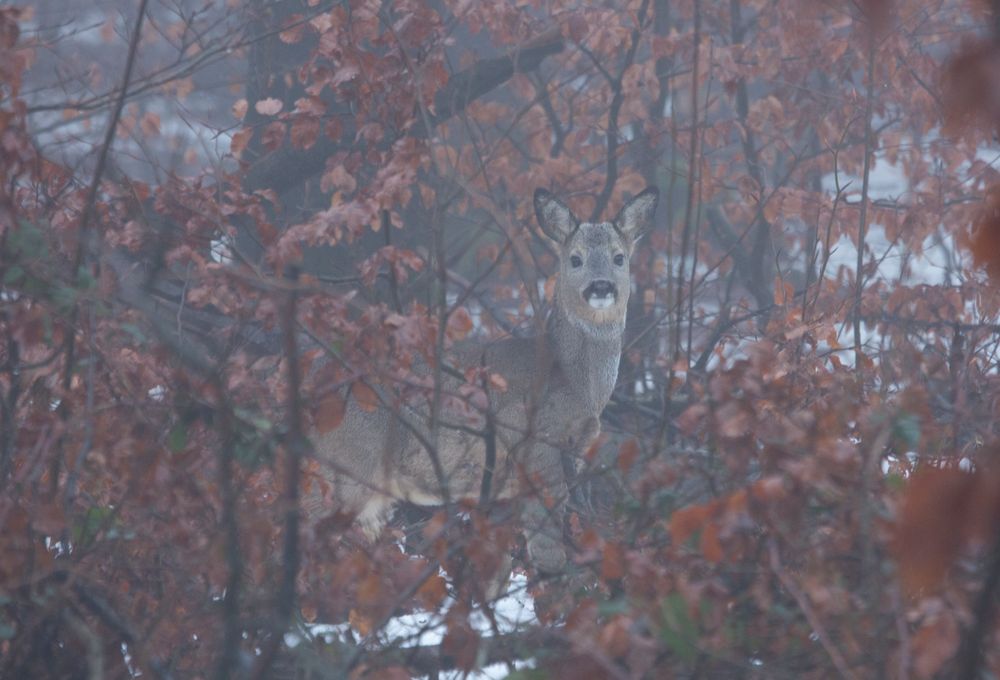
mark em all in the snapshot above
pixel 557 385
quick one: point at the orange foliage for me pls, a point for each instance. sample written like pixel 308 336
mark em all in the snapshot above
pixel 985 237
pixel 770 467
pixel 943 511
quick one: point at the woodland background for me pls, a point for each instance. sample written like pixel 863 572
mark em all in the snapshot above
pixel 215 214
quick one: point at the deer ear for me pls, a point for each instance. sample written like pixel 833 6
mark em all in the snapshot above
pixel 636 216
pixel 555 219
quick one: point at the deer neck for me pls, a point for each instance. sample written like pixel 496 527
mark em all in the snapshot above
pixel 588 356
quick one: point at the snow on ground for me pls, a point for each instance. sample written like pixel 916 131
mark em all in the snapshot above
pixel 514 612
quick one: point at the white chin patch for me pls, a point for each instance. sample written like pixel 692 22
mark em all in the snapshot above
pixel 601 302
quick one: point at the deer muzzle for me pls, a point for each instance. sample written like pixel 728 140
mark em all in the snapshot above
pixel 600 294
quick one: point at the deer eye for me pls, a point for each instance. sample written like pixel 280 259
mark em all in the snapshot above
pixel 619 259
pixel 575 261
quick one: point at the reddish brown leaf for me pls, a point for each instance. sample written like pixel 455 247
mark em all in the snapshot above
pixel 692 417
pixel 627 454
pixel 360 622
pixel 711 546
pixel 985 238
pixel 685 521
pixel 460 641
pixel 305 131
pixel 365 395
pixel 293 31
pixel 333 129
pixel 614 637
pixel 330 413
pixel 370 589
pixel 577 27
pixel 498 382
pixel 459 324
pixel 929 533
pixel 273 135
pixel 972 88
pixel 338 177
pixel 612 562
pixel 392 673
pixel 733 420
pixel 239 141
pixel 149 124
pixel 433 591
pixel 934 644
pixel 240 109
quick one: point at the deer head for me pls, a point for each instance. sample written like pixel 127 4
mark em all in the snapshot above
pixel 593 284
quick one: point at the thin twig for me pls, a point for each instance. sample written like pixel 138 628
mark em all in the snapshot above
pixel 232 629
pixel 971 656
pixel 296 449
pixel 618 98
pixel 692 174
pixel 803 602
pixel 859 280
pixel 65 408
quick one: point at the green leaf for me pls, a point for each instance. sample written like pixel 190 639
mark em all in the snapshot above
pixel 27 240
pixel 177 438
pixel 7 631
pixel 255 419
pixel 679 632
pixel 528 674
pixel 13 275
pixel 907 428
pixel 609 608
pixel 252 451
pixel 85 279
pixel 64 297
pixel 85 528
pixel 895 481
pixel 134 331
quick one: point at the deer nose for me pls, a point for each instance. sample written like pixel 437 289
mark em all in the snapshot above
pixel 601 289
